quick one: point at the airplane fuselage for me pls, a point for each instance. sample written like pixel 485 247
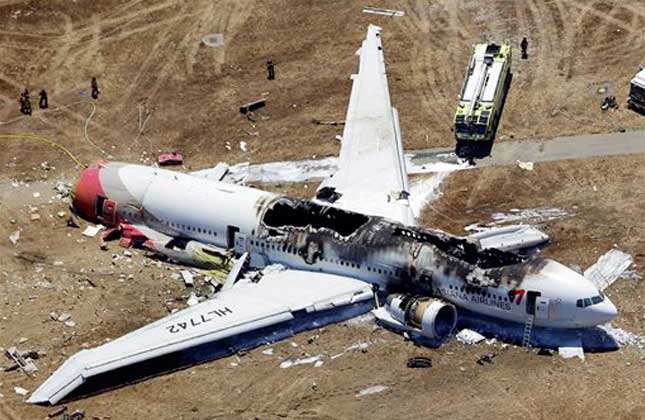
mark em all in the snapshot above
pixel 304 235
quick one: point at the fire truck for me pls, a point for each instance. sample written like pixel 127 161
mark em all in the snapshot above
pixel 482 99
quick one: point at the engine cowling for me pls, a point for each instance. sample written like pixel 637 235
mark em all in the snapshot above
pixel 433 318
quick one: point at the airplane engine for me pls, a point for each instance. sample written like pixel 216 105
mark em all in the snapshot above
pixel 434 318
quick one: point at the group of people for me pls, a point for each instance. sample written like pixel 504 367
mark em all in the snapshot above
pixel 43 103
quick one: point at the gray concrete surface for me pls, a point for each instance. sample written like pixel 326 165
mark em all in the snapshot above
pixel 559 148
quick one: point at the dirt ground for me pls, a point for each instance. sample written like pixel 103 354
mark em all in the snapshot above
pixel 149 60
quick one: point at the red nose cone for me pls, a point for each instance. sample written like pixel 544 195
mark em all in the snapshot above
pixel 88 190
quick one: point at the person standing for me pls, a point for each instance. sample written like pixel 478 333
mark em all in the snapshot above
pixel 43 103
pixel 25 104
pixel 95 88
pixel 524 46
pixel 270 70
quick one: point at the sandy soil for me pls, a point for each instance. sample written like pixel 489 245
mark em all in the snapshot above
pixel 147 55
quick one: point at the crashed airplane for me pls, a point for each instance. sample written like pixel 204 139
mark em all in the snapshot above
pixel 321 261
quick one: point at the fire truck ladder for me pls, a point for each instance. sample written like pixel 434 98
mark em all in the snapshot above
pixel 528 328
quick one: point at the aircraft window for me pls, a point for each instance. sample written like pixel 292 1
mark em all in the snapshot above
pixel 596 299
pixel 587 302
pixel 379 271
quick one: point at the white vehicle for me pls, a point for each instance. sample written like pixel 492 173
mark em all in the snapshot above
pixel 356 237
pixel 636 98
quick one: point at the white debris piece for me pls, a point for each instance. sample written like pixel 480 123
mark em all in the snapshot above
pixel 467 336
pixel 14 237
pixel 509 238
pixel 372 390
pixel 537 215
pixel 268 352
pixel 384 12
pixel 527 166
pixel 622 337
pixel 20 391
pixel 192 300
pixel 570 352
pixel 318 364
pixel 62 317
pixel 91 231
pixel 36 195
pixel 213 40
pixel 608 268
pixel 308 360
pixel 189 280
pixel 243 146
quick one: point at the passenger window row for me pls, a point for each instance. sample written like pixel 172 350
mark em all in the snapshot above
pixel 478 291
pixel 292 250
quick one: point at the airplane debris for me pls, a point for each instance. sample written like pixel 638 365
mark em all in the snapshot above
pixel 20 391
pixel 253 105
pixel 72 222
pixel 487 358
pixel 169 159
pixel 213 40
pixel 91 231
pixel 192 300
pixel 23 360
pixel 268 352
pixel 419 362
pixel 622 337
pixel 290 363
pixel 384 12
pixel 527 166
pixel 63 189
pixel 571 352
pixel 377 389
pixel 469 337
pixel 324 122
pixel 14 237
pixel 187 276
pixel 34 217
pixel 243 146
pixel 57 412
pixel 511 238
pixel 608 268
pixel 543 214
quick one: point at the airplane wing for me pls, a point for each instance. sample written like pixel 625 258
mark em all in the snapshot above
pixel 250 313
pixel 371 176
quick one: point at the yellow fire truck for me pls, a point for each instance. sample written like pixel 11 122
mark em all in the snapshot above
pixel 482 99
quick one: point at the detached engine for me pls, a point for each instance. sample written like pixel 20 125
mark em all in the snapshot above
pixel 432 318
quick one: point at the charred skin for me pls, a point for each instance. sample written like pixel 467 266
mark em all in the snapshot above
pixel 409 258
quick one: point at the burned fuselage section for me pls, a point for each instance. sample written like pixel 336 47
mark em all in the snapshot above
pixel 305 235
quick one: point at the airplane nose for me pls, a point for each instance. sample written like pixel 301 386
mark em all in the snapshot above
pixel 88 189
pixel 604 312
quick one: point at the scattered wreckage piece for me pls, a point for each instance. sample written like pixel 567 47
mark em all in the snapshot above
pixel 327 122
pixel 279 305
pixel 488 358
pixel 608 268
pixel 384 12
pixel 170 159
pixel 252 106
pixel 22 360
pixel 469 337
pixel 419 362
pixel 514 238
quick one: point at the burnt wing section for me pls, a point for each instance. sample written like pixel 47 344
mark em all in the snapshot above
pixel 302 214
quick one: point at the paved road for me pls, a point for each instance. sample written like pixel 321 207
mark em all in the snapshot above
pixel 559 148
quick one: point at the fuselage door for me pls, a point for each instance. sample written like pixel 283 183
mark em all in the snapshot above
pixel 542 308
